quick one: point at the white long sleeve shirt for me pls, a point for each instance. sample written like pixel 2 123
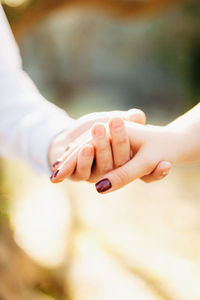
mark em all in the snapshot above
pixel 28 122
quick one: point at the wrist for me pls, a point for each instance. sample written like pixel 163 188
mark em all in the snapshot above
pixel 185 143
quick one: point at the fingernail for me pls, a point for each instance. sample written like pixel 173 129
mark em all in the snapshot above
pixel 116 124
pixel 99 131
pixel 103 185
pixel 55 174
pixel 56 164
pixel 67 148
pixel 87 152
pixel 165 173
pixel 51 177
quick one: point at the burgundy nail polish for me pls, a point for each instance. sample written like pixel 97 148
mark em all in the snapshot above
pixel 103 185
pixel 55 174
pixel 56 164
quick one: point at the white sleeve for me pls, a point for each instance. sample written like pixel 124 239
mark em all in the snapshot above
pixel 28 122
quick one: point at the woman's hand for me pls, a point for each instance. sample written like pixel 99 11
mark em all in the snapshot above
pixel 153 146
pixel 80 130
pixel 76 140
pixel 77 160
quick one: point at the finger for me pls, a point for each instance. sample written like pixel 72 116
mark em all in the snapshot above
pixel 66 168
pixel 84 123
pixel 160 172
pixel 136 115
pixel 60 160
pixel 135 168
pixel 84 163
pixel 72 148
pixel 120 142
pixel 104 160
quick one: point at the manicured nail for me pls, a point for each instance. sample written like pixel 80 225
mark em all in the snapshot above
pixel 51 177
pixel 56 164
pixel 67 148
pixel 103 185
pixel 55 174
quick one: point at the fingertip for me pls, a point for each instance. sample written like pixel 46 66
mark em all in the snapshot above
pixel 98 130
pixel 162 169
pixel 136 115
pixel 103 185
pixel 116 123
pixel 54 178
pixel 165 165
pixel 159 173
pixel 66 169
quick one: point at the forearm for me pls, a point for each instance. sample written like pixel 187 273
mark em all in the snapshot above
pixel 187 128
pixel 28 122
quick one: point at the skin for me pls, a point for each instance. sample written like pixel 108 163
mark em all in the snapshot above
pixel 177 143
pixel 110 146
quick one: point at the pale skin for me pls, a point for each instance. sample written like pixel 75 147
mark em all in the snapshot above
pixel 72 152
pixel 177 143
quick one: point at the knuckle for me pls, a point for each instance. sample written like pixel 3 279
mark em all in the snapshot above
pixel 82 176
pixel 148 167
pixel 121 141
pixel 122 177
pixel 105 169
pixel 101 147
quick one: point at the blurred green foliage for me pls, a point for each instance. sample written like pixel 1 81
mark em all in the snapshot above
pixel 84 60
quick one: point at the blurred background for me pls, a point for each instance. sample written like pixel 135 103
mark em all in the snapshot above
pixel 67 242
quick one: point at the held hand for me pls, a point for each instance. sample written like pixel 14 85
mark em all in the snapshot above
pixel 153 147
pixel 80 158
pixel 64 145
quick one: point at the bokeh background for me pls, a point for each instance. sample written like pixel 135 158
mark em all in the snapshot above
pixel 67 242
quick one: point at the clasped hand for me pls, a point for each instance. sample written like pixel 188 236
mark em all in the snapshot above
pixel 97 144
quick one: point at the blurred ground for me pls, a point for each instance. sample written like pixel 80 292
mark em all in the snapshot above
pixel 141 242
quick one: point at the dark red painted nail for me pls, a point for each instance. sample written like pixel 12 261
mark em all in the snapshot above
pixel 56 164
pixel 55 174
pixel 103 185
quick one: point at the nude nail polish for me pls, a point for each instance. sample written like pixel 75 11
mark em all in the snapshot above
pixel 103 185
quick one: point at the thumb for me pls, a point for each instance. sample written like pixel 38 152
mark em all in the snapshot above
pixel 116 179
